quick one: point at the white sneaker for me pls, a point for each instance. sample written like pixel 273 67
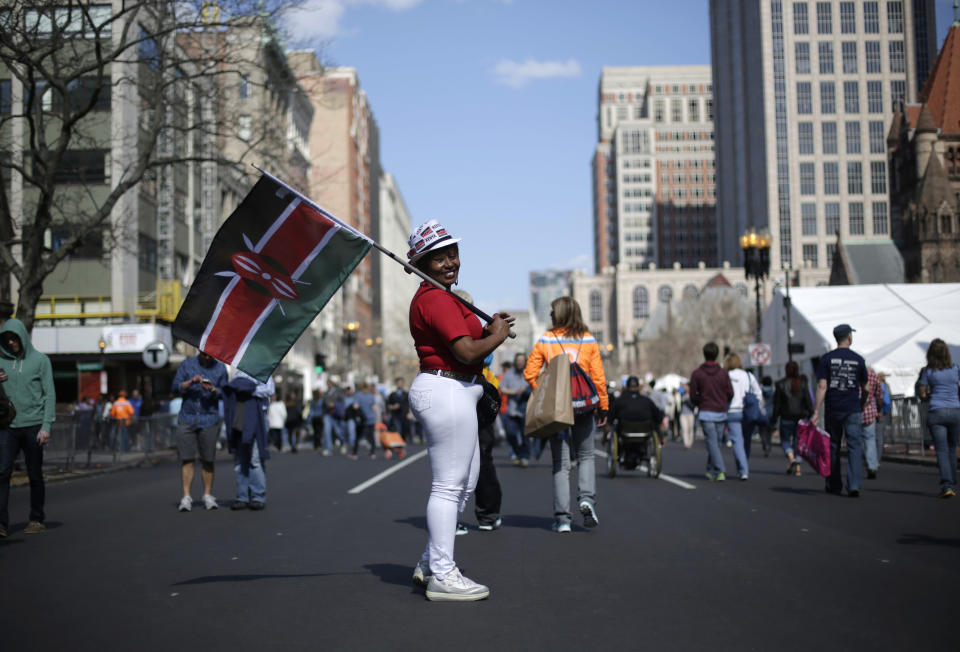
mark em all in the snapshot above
pixel 561 527
pixel 210 502
pixel 462 529
pixel 489 527
pixel 455 588
pixel 421 574
pixel 186 504
pixel 589 513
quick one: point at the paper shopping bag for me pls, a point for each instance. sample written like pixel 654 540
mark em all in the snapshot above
pixel 813 445
pixel 550 408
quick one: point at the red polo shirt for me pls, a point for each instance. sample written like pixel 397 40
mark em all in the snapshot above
pixel 436 320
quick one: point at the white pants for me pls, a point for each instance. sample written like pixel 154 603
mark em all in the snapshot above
pixel 447 409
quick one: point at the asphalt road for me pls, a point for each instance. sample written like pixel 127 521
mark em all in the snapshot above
pixel 769 564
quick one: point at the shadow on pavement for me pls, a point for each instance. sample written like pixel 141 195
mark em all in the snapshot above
pixel 531 522
pixel 797 490
pixel 392 573
pixel 211 579
pixel 923 539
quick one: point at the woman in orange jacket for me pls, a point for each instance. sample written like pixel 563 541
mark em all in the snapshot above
pixel 569 336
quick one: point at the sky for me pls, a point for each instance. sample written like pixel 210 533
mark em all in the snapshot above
pixel 487 112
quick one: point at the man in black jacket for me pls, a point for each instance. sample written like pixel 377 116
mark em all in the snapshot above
pixel 632 406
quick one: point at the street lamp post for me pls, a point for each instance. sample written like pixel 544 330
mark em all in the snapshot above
pixel 349 339
pixel 756 265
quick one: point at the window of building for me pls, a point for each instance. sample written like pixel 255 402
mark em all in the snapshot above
pixel 801 57
pixel 810 254
pixel 854 178
pixel 804 98
pixel 638 112
pixel 851 97
pixel 878 177
pixel 875 97
pixel 848 17
pixel 91 245
pixel 853 137
pixel 831 217
pixel 825 52
pixel 881 221
pixel 244 87
pixel 828 97
pixel 658 111
pixel 690 291
pixel 147 253
pixel 621 113
pixel 5 97
pixel 801 23
pixel 824 18
pixel 243 127
pixel 596 306
pixel 895 17
pixel 81 166
pixel 805 137
pixel 831 178
pixel 898 93
pixel 876 137
pixel 693 110
pixel 897 61
pixel 871 17
pixel 831 252
pixel 665 294
pixel 808 179
pixel 709 103
pixel 872 51
pixel 856 218
pixel 641 303
pixel 828 133
pixel 848 53
pixel 676 110
pixel 808 220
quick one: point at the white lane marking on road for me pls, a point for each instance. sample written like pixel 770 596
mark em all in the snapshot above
pixel 663 476
pixel 393 469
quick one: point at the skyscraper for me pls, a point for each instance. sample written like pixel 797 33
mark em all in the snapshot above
pixel 653 171
pixel 804 95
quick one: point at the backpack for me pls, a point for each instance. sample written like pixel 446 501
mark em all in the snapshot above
pixel 586 398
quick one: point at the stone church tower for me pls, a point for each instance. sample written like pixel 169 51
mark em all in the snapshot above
pixel 924 151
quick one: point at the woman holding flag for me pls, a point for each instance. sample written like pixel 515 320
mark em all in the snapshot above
pixel 451 344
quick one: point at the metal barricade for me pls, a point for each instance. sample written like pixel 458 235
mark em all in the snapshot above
pixel 84 439
pixel 904 430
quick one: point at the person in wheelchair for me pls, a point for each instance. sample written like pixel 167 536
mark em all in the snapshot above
pixel 633 412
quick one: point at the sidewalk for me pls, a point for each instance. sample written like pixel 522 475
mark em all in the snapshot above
pixel 105 464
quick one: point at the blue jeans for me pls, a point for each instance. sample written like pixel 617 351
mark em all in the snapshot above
pixel 838 427
pixel 711 435
pixel 12 441
pixel 332 427
pixel 870 445
pixel 735 433
pixel 788 436
pixel 252 483
pixel 513 428
pixel 944 427
pixel 576 439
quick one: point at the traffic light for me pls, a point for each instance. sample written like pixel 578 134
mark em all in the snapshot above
pixel 319 362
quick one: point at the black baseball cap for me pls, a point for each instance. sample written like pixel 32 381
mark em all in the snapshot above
pixel 843 330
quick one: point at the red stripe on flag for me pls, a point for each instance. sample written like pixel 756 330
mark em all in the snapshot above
pixel 289 245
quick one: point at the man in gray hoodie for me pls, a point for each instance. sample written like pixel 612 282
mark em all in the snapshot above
pixel 27 379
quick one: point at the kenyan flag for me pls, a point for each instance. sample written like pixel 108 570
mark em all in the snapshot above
pixel 271 268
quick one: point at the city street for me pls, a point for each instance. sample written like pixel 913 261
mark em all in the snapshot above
pixel 676 563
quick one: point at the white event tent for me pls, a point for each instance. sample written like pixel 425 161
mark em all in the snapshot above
pixel 894 325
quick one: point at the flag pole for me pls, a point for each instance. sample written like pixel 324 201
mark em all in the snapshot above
pixel 376 245
pixel 410 268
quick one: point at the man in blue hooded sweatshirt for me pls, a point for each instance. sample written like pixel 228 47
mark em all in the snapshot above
pixel 27 379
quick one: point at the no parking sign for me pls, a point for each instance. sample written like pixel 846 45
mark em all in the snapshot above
pixel 759 354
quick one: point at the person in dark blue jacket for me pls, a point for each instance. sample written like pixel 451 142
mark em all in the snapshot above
pixel 244 408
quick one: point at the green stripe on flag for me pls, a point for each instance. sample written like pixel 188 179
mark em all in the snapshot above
pixel 279 331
